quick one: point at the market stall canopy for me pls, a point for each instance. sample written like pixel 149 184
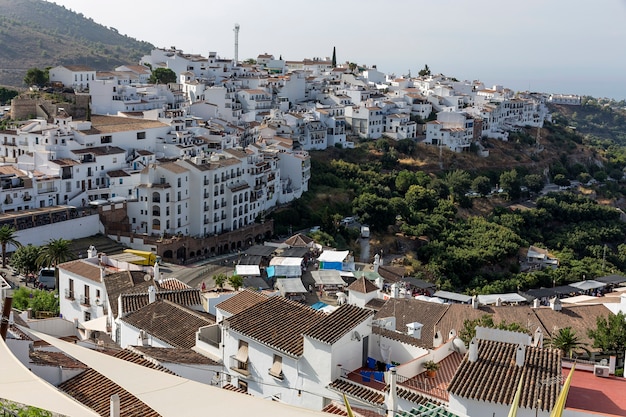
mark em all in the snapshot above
pixel 260 250
pixel 488 299
pixel 589 284
pixel 333 256
pixel 290 286
pixel 247 270
pixel 327 277
pixel 612 279
pixel 447 295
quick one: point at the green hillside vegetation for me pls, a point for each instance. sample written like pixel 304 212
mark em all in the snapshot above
pixel 445 224
pixel 36 33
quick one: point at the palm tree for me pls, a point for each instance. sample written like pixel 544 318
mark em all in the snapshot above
pixel 54 253
pixel 566 340
pixel 220 280
pixel 7 237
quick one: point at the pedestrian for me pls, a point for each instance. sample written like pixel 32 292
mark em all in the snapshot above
pixel 203 286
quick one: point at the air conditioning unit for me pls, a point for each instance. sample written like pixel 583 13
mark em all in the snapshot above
pixel 602 371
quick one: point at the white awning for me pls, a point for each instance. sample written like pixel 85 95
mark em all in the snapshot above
pixel 155 388
pixel 277 367
pixel 589 284
pixel 327 277
pixel 447 295
pixel 19 384
pixel 290 285
pixel 286 261
pixel 99 324
pixel 242 353
pixel 333 256
pixel 247 270
pixel 581 299
pixel 505 298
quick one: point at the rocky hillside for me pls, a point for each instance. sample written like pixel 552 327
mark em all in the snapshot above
pixel 36 33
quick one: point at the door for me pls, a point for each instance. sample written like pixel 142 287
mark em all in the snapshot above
pixel 365 347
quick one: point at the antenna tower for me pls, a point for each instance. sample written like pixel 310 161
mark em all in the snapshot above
pixel 236 43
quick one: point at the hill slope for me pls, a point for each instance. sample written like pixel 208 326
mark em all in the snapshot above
pixel 36 33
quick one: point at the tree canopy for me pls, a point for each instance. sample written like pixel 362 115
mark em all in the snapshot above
pixel 610 334
pixel 36 76
pixel 162 76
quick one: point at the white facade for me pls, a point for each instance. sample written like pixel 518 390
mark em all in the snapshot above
pixel 77 77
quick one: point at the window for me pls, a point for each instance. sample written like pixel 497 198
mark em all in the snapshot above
pixel 141 135
pixel 86 296
pixel 70 290
pixel 87 316
pixel 106 139
pixel 240 360
pixel 277 367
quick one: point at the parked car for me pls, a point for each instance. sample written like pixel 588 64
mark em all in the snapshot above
pixel 347 221
pixel 46 278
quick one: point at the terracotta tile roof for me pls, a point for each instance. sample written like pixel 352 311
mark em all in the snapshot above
pixel 435 387
pixel 46 358
pixel 172 284
pixel 187 297
pixel 358 391
pixel 94 390
pixel 494 376
pixel 241 301
pixel 580 318
pixel 83 269
pixel 229 387
pixel 340 410
pixel 116 173
pixel 409 311
pixel 125 282
pixel 100 150
pixel 173 355
pixel 169 322
pixel 375 304
pixel 338 323
pixel 391 274
pixel 277 322
pixel 362 285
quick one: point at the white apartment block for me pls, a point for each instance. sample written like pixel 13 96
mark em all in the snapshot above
pixel 453 130
pixel 77 77
pixel 365 121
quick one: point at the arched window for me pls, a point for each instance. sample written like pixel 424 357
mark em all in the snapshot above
pixel 156 224
pixel 156 210
pixel 156 197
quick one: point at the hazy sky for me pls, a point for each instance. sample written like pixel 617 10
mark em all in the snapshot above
pixel 560 46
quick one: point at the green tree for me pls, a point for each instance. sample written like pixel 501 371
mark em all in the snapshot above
pixel 425 71
pixel 510 183
pixel 458 182
pixel 235 281
pixel 7 237
pixel 566 340
pixel 467 333
pixel 7 95
pixel 162 76
pixel 610 334
pixel 534 182
pixel 24 259
pixel 220 280
pixel 37 300
pixel 481 185
pixel 55 252
pixel 560 179
pixel 24 411
pixel 35 76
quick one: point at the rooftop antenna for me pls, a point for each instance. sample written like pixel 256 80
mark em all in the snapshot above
pixel 236 42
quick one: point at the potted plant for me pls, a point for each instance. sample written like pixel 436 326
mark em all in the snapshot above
pixel 431 368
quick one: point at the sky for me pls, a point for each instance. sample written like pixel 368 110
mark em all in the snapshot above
pixel 556 46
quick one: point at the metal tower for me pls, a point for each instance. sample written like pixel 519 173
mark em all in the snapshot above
pixel 236 43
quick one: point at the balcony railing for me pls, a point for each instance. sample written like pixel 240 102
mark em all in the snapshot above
pixel 69 294
pixel 84 300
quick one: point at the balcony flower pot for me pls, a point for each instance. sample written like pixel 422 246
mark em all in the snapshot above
pixel 431 368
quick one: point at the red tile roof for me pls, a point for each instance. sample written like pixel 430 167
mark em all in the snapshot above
pixel 241 301
pixel 276 322
pixel 82 268
pixel 494 376
pixel 335 325
pixel 362 285
pixel 94 390
pixel 169 322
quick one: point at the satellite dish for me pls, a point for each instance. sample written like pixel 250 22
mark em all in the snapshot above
pixel 147 277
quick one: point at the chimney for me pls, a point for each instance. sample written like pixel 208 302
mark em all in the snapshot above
pixel 538 342
pixel 475 302
pixel 115 406
pixel 151 294
pixel 102 273
pixel 536 303
pixel 120 309
pixel 414 329
pixel 520 355
pixel 555 304
pixel 498 302
pixel 473 351
pixel 392 397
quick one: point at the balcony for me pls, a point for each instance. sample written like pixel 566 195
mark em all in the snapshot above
pixel 47 190
pixel 85 300
pixel 69 294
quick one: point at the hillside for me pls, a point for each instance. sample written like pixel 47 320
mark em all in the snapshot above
pixel 36 33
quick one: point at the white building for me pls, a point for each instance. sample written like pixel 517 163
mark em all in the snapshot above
pixel 77 77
